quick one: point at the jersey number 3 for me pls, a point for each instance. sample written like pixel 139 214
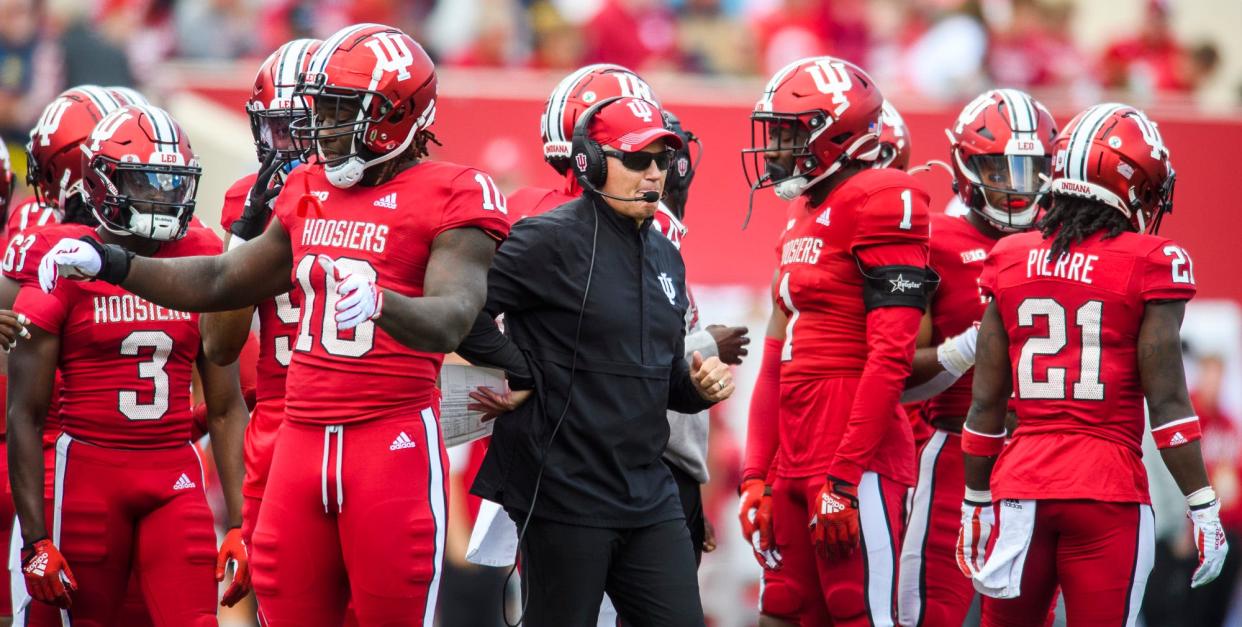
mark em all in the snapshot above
pixel 1087 318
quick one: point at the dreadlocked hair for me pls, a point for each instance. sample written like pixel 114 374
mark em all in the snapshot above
pixel 1073 220
pixel 421 140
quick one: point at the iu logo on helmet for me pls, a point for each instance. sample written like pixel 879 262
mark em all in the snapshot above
pixel 391 54
pixel 641 109
pixel 831 78
pixel 108 127
pixel 50 121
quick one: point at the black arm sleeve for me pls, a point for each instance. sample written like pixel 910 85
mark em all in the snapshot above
pixel 509 289
pixel 682 395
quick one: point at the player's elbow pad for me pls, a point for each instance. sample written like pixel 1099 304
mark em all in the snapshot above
pixel 898 286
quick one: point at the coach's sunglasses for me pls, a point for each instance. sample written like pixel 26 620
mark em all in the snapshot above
pixel 641 160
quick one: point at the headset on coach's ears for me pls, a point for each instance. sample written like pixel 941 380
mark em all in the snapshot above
pixel 586 156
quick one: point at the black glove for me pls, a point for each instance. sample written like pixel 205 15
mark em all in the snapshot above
pixel 258 209
pixel 113 261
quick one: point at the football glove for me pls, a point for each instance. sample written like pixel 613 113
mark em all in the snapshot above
pixel 834 527
pixel 978 518
pixel 361 299
pixel 84 258
pixel 47 574
pixel 1209 540
pixel 233 550
pixel 259 203
pixel 755 514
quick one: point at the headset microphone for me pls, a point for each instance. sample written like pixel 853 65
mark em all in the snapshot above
pixel 648 196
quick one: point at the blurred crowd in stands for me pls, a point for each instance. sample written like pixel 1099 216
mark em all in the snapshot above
pixel 938 49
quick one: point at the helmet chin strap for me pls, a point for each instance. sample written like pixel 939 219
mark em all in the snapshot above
pixel 347 174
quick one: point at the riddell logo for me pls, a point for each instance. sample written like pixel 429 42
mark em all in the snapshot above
pixel 581 162
pixel 1075 188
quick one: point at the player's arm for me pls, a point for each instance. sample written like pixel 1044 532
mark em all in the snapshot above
pixel 8 294
pixel 1175 428
pixel 762 440
pixel 984 433
pixel 248 274
pixel 225 332
pixel 454 289
pixel 32 373
pixel 937 368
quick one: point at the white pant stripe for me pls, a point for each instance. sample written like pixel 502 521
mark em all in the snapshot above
pixel 1144 557
pixel 878 542
pixel 435 495
pixel 910 576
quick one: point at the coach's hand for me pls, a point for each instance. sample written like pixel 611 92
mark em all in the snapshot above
pixel 47 574
pixel 83 258
pixel 233 549
pixel 730 342
pixel 711 378
pixel 361 299
pixel 755 514
pixel 493 403
pixel 12 326
pixel 1210 541
pixel 834 527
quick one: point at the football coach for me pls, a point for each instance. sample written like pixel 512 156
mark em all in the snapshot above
pixel 594 301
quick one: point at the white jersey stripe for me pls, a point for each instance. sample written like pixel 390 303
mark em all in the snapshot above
pixel 436 492
pixel 1144 558
pixel 911 592
pixel 878 544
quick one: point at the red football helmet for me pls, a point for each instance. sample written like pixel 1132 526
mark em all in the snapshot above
pixel 54 167
pixel 6 180
pixel 1001 148
pixel 894 140
pixel 127 95
pixel 371 86
pixel 271 104
pixel 139 174
pixel 575 94
pixel 833 110
pixel 1112 153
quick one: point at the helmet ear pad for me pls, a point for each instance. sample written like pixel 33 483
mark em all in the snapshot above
pixel 586 156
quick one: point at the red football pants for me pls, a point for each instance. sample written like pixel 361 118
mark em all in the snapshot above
pixel 1100 555
pixel 122 509
pixel 260 443
pixel 932 589
pixel 777 597
pixel 6 519
pixel 353 513
pixel 859 590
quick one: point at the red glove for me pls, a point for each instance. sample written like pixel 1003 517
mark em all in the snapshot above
pixel 233 549
pixel 755 514
pixel 834 527
pixel 47 574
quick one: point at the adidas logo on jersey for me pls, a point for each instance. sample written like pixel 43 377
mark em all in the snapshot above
pixel 1177 440
pixel 825 218
pixel 402 441
pixel 387 202
pixel 184 483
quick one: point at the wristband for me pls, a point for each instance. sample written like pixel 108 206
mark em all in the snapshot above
pixel 957 354
pixel 236 241
pixel 30 546
pixel 978 497
pixel 113 260
pixel 1201 498
pixel 982 444
pixel 1177 433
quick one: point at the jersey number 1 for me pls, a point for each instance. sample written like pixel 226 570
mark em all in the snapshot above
pixel 1088 318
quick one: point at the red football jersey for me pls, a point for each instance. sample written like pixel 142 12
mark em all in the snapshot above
pixel 125 362
pixel 278 317
pixel 386 232
pixel 957 253
pixel 532 201
pixel 820 289
pixel 21 264
pixel 1073 325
